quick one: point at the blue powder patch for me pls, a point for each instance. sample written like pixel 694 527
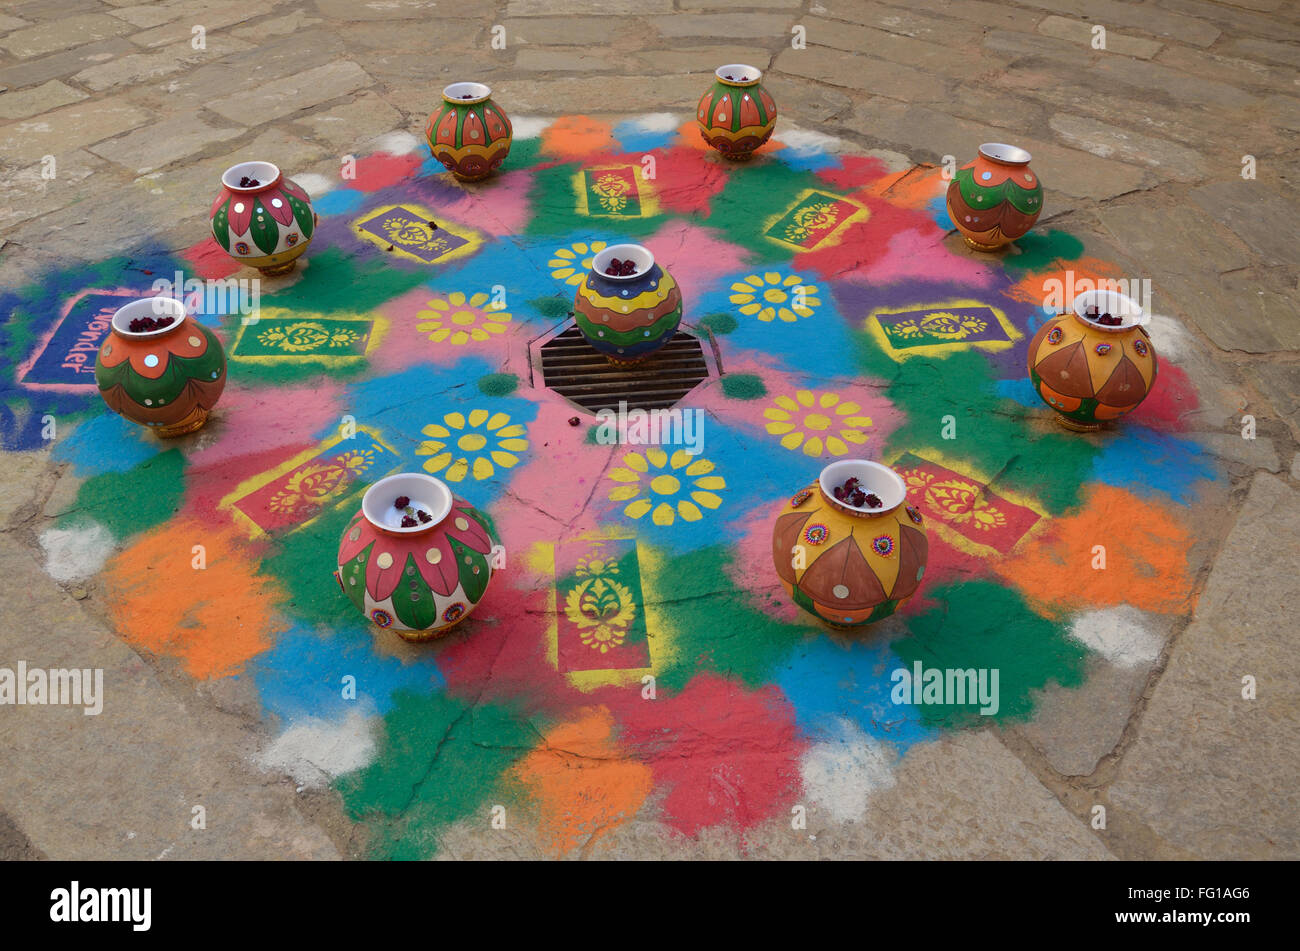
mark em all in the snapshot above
pixel 633 136
pixel 340 201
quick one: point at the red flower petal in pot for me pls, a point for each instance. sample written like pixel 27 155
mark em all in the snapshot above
pixel 291 188
pixel 443 576
pixel 472 534
pixel 241 213
pixel 277 205
pixel 221 199
pixel 382 581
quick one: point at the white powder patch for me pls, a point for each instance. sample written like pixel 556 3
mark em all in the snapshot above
pixel 315 185
pixel 841 774
pixel 657 122
pixel 72 554
pixel 1119 634
pixel 398 142
pixel 529 127
pixel 1170 337
pixel 808 142
pixel 315 751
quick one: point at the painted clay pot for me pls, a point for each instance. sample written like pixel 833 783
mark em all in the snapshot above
pixel 167 379
pixel 468 133
pixel 736 116
pixel 995 199
pixel 419 581
pixel 627 318
pixel 846 565
pixel 1090 373
pixel 268 225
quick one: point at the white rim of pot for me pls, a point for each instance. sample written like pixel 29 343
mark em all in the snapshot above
pixel 266 173
pixel 425 492
pixel 1006 154
pixel 641 256
pixel 872 477
pixel 148 307
pixel 741 75
pixel 1110 302
pixel 456 92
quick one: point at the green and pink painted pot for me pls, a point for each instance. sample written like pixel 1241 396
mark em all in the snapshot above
pixel 996 198
pixel 423 577
pixel 267 225
pixel 164 378
pixel 736 116
pixel 469 133
pixel 846 564
pixel 627 317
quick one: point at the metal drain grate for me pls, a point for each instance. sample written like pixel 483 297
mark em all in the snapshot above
pixel 573 369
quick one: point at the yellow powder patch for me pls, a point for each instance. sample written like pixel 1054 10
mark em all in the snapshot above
pixel 581 781
pixel 1145 550
pixel 213 618
pixel 577 137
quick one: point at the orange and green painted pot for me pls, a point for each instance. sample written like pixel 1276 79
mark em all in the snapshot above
pixel 736 116
pixel 423 579
pixel 846 565
pixel 168 379
pixel 627 318
pixel 1089 373
pixel 268 225
pixel 469 133
pixel 995 199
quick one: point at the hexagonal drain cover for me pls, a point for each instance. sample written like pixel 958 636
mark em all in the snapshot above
pixel 570 367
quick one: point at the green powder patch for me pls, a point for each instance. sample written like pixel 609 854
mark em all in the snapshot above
pixel 440 760
pixel 1038 250
pixel 336 282
pixel 498 384
pixel 743 386
pixel 739 212
pixel 555 210
pixel 135 500
pixel 718 323
pixel 984 625
pixel 304 561
pixel 552 307
pixel 997 437
pixel 714 624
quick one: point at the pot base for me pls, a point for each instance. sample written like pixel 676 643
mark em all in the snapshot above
pixel 736 156
pixel 472 178
pixel 983 247
pixel 622 362
pixel 190 424
pixel 1076 426
pixel 279 270
pixel 421 637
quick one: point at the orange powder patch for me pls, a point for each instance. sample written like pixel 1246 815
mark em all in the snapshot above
pixel 1145 557
pixel 581 781
pixel 1034 288
pixel 910 188
pixel 213 618
pixel 577 137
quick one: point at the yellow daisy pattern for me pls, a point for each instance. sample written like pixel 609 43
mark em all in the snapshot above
pixel 472 445
pixel 667 489
pixel 571 264
pixel 817 423
pixel 458 319
pixel 773 296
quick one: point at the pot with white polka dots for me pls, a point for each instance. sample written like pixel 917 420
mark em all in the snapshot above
pixel 415 558
pixel 469 133
pixel 261 218
pixel 856 558
pixel 160 367
pixel 628 307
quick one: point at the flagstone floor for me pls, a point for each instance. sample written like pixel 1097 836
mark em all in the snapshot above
pixel 1148 708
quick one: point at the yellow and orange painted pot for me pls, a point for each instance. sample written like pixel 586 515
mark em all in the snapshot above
pixel 423 579
pixel 166 380
pixel 1089 373
pixel 737 115
pixel 469 133
pixel 627 318
pixel 845 565
pixel 996 198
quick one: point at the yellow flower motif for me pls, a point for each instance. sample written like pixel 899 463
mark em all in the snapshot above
pixel 773 295
pixel 653 482
pixel 819 424
pixel 471 445
pixel 458 321
pixel 564 264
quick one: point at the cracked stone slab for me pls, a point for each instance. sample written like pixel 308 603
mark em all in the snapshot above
pixel 1211 772
pixel 123 784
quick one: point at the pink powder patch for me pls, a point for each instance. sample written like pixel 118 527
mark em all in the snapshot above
pixel 499 211
pixel 1172 397
pixel 383 169
pixel 413 320
pixel 726 755
pixel 694 257
pixel 752 569
pixel 853 172
pixel 210 262
pixel 250 421
pixel 921 254
pixel 687 180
